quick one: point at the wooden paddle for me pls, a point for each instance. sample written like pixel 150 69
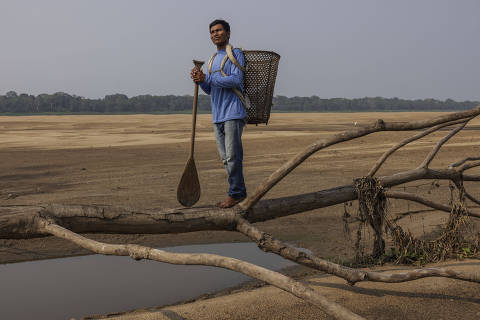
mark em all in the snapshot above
pixel 188 191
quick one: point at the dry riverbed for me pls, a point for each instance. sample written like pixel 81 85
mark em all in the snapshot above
pixel 137 161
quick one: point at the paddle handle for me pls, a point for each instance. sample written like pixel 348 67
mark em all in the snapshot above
pixel 194 119
pixel 198 64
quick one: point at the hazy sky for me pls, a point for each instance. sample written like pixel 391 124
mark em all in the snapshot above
pixel 342 48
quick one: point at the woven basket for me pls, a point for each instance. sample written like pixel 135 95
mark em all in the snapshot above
pixel 259 82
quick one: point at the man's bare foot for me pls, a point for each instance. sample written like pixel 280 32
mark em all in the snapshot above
pixel 229 202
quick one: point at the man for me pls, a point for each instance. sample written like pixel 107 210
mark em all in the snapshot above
pixel 228 113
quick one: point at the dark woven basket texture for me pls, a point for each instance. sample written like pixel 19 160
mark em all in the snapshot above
pixel 259 83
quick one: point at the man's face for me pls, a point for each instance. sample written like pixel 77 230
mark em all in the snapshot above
pixel 218 35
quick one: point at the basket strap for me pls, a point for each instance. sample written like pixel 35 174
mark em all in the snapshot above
pixel 240 96
pixel 210 62
pixel 232 58
pixel 222 65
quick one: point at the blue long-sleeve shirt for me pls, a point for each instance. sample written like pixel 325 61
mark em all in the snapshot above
pixel 225 103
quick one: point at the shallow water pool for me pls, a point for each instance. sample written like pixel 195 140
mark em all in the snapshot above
pixel 74 287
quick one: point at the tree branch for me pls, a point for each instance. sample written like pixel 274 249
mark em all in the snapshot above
pixel 470 197
pixel 459 186
pixel 456 164
pixel 426 202
pixel 464 168
pixel 400 215
pixel 470 177
pixel 387 154
pixel 267 243
pixel 138 252
pixel 469 166
pixel 435 150
pixel 379 125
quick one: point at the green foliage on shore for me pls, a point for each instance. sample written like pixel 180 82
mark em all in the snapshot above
pixel 60 102
pixel 316 104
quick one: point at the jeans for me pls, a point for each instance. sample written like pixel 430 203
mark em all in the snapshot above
pixel 228 135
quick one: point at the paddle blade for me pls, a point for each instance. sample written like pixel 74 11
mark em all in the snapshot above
pixel 188 191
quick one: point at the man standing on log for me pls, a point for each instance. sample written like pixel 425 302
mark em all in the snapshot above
pixel 228 111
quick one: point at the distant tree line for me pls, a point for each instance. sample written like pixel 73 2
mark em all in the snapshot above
pixel 314 103
pixel 61 102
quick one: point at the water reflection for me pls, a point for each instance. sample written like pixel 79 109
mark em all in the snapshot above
pixel 74 287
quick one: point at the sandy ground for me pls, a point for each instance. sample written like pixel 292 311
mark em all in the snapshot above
pixel 137 161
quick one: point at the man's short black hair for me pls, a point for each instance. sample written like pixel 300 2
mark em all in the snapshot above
pixel 224 24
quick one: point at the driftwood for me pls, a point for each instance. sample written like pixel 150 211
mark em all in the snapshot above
pixel 67 221
pixel 140 252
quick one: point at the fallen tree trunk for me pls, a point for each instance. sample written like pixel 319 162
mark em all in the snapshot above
pixel 110 219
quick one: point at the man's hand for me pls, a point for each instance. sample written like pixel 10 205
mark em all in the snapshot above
pixel 197 75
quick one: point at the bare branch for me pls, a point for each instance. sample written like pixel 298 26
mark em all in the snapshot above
pixel 459 186
pixel 428 203
pixel 470 197
pixel 469 177
pixel 387 154
pixel 400 215
pixel 379 125
pixel 458 163
pixel 435 150
pixel 138 252
pixel 422 273
pixel 469 166
pixel 464 168
pixel 267 243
